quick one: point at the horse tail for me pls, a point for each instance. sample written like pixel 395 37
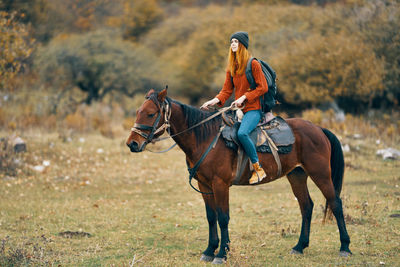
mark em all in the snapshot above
pixel 337 165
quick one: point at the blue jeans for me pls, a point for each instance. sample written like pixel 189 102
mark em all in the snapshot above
pixel 249 123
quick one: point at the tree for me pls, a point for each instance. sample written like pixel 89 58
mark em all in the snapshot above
pixel 324 68
pixel 378 23
pixel 97 63
pixel 204 61
pixel 140 17
pixel 16 47
pixel 37 15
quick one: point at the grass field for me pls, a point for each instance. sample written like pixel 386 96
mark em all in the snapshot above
pixel 123 208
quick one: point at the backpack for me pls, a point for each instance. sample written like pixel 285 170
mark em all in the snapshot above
pixel 268 99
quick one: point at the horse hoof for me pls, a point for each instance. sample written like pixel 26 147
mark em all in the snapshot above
pixel 206 258
pixel 344 254
pixel 295 252
pixel 218 261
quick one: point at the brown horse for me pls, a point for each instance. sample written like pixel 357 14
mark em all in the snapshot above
pixel 316 153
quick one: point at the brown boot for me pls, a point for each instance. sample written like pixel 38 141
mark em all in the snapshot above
pixel 258 174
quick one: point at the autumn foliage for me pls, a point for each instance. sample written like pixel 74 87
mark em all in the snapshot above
pixel 84 51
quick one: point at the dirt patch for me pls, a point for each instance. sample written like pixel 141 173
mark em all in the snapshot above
pixel 70 234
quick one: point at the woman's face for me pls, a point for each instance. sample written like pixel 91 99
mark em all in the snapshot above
pixel 234 44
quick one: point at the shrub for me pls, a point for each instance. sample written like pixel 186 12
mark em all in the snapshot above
pixel 378 23
pixel 324 68
pixel 16 47
pixel 97 64
pixel 140 16
pixel 76 122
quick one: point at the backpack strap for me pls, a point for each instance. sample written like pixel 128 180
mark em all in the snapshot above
pixel 249 74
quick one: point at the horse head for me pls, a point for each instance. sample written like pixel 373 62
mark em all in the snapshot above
pixel 152 119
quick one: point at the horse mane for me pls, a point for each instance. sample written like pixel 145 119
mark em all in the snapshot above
pixel 194 115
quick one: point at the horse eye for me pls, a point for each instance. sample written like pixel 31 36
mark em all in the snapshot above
pixel 151 115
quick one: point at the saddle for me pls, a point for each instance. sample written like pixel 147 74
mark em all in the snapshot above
pixel 277 129
pixel 275 133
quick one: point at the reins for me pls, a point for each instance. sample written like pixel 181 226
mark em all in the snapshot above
pixel 219 112
pixel 137 128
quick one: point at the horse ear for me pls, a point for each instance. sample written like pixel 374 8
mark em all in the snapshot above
pixel 149 93
pixel 162 95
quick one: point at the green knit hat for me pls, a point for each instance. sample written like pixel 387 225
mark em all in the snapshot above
pixel 243 37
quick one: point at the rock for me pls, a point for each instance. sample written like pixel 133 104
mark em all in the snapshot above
pixel 39 168
pixel 8 178
pixel 346 148
pixel 18 144
pixel 388 153
pixel 46 163
pixel 339 113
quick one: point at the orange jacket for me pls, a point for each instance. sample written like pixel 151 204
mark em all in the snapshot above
pixel 242 87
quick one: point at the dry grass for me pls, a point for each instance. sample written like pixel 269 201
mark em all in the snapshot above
pixel 139 207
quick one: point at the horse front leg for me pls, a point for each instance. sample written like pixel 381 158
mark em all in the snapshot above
pixel 221 196
pixel 213 240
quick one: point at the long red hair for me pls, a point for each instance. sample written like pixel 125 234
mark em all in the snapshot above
pixel 237 61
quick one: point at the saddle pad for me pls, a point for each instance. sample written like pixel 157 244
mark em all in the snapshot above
pixel 277 129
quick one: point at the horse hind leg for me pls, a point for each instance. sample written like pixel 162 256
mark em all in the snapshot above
pixel 322 178
pixel 298 182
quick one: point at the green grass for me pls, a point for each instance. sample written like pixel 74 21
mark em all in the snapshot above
pixel 140 206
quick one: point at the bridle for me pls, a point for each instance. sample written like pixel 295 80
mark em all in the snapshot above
pixel 139 128
pixel 166 108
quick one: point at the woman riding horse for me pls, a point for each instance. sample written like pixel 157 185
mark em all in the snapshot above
pixel 250 99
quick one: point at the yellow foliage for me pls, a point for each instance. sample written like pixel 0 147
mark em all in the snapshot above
pixel 2 117
pixel 313 115
pixel 76 122
pixel 392 130
pixel 15 47
pixel 30 120
pixel 114 22
pixel 50 122
pixel 128 122
pixel 321 68
pixel 12 125
pixel 140 16
pixel 107 131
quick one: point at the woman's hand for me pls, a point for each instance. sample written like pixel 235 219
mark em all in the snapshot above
pixel 239 102
pixel 209 103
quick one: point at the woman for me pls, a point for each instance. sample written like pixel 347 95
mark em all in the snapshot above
pixel 245 98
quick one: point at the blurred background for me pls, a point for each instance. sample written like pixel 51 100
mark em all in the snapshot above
pixel 85 65
pixel 74 72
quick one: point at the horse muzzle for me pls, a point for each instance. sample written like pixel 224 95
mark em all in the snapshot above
pixel 134 147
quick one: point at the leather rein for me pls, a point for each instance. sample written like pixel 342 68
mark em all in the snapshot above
pixel 166 107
